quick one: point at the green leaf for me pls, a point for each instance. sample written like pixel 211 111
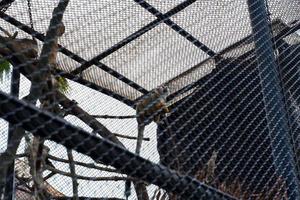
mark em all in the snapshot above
pixel 63 85
pixel 4 68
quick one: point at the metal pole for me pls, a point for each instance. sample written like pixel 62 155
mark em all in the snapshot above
pixel 273 97
pixel 9 191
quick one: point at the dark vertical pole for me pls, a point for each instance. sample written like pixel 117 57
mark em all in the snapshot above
pixel 273 97
pixel 10 175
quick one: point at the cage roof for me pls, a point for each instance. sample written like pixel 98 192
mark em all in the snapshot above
pixel 125 48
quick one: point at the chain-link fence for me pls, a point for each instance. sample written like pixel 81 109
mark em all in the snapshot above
pixel 149 99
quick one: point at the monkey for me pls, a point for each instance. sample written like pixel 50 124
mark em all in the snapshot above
pixel 28 47
pixel 148 109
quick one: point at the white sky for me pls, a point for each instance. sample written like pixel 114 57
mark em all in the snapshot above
pixel 94 103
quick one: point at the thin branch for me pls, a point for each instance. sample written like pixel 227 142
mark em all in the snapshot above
pixel 73 173
pixel 27 68
pixel 110 178
pixel 84 198
pixel 21 155
pixel 95 125
pixel 24 190
pixel 87 165
pixel 49 176
pixel 130 137
pixel 8 34
pixel 75 110
pixel 114 117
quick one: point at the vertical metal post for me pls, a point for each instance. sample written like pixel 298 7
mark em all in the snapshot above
pixel 9 191
pixel 273 97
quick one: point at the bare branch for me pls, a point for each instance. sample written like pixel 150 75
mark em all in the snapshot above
pixel 21 155
pixel 110 178
pixel 114 117
pixel 75 110
pixel 49 176
pixel 97 127
pixel 8 34
pixel 73 173
pixel 84 198
pixel 88 165
pixel 130 137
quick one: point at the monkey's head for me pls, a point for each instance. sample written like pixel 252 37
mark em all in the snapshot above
pixel 163 90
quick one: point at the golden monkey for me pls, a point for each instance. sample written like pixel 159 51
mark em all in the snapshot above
pixel 26 46
pixel 148 109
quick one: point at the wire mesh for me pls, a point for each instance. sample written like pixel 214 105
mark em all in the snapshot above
pixel 149 99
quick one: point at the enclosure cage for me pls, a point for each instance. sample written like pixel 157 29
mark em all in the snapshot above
pixel 149 99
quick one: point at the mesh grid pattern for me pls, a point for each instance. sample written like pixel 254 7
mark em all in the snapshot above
pixel 149 99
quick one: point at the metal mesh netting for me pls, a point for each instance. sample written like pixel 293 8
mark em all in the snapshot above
pixel 149 99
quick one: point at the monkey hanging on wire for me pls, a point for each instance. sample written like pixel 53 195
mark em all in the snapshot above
pixel 150 108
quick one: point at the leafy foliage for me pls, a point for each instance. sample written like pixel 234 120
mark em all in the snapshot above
pixel 4 68
pixel 63 84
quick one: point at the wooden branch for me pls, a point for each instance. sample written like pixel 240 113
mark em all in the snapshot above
pixel 110 178
pixel 49 176
pixel 114 117
pixel 28 68
pixel 85 198
pixel 97 127
pixel 74 109
pixel 73 174
pixel 44 72
pixel 87 165
pixel 8 156
pixel 21 155
pixel 130 137
pixel 8 34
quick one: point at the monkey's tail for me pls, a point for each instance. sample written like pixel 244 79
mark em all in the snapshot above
pixel 140 137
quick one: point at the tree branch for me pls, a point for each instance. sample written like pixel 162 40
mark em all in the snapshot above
pixel 73 174
pixel 130 137
pixel 77 111
pixel 44 73
pixel 28 68
pixel 114 117
pixel 74 109
pixel 84 198
pixel 88 165
pixel 110 178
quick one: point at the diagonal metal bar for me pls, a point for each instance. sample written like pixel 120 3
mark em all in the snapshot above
pixel 282 34
pixel 133 36
pixel 95 87
pixel 46 125
pixel 176 28
pixel 70 54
